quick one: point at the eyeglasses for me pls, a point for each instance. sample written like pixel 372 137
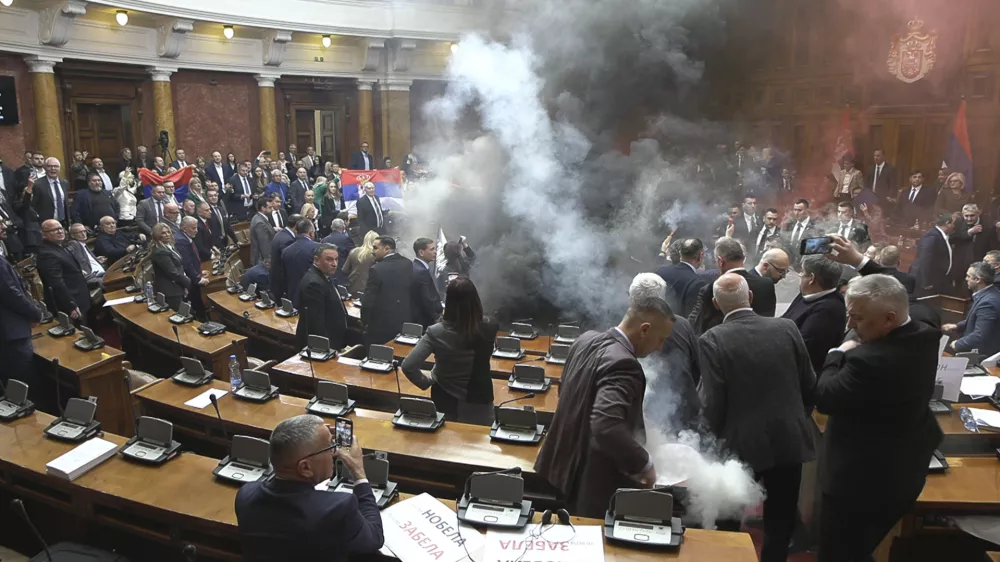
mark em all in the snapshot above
pixel 332 447
pixel 57 229
pixel 781 272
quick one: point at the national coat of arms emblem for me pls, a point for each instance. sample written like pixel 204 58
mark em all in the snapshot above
pixel 912 56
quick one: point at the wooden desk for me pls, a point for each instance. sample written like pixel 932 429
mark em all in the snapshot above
pixel 500 368
pixel 156 331
pixel 537 346
pixel 114 278
pixel 89 373
pixel 441 460
pixel 957 440
pixel 993 556
pixel 971 485
pixel 188 505
pixel 379 389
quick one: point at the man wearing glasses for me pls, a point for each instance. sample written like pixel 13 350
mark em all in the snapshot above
pixel 65 286
pixel 288 519
pixel 819 310
pixel 773 265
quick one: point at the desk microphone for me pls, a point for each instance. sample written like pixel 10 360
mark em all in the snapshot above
pixel 55 372
pixel 177 336
pixel 190 552
pixel 18 507
pixel 505 402
pixel 215 404
pixel 399 391
pixel 131 406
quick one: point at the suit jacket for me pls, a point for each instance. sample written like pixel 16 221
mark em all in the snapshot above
pixel 297 194
pixel 757 242
pixel 971 248
pixel 89 208
pixel 240 211
pixel 757 403
pixel 190 261
pixel 740 231
pixel 256 275
pixel 281 189
pixel 9 211
pixel 220 228
pixel 17 310
pixel 213 174
pixel 679 379
pixel 288 520
pixel 65 285
pixel 921 208
pixel 908 281
pixel 344 244
pixel 919 311
pixel 683 285
pixel 169 276
pixel 178 164
pixel 368 218
pixel 981 327
pixel 80 254
pixel 42 202
pixel 425 303
pixel 880 434
pixel 113 247
pixel 261 234
pixel 887 183
pixel 810 230
pixel 283 223
pixel 595 441
pixel 857 232
pixel 856 179
pixel 296 260
pixel 358 161
pixel 321 312
pixel 821 321
pixel 386 302
pixel 933 265
pixel 279 285
pixel 145 216
pixel 705 316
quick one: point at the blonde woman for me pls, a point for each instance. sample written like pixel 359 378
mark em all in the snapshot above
pixel 359 261
pixel 195 192
pixel 168 269
pixel 311 213
pixel 953 197
pixel 125 194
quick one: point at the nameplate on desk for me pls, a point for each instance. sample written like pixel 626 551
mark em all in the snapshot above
pixel 560 543
pixel 348 488
pixel 203 400
pixel 81 459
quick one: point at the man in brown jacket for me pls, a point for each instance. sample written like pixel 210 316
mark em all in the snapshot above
pixel 594 445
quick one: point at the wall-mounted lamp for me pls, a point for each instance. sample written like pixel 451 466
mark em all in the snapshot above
pixel 227 30
pixel 121 16
pixel 454 47
pixel 7 3
pixel 327 42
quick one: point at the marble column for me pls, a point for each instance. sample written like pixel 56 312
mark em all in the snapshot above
pixel 395 119
pixel 268 121
pixel 366 124
pixel 48 117
pixel 163 109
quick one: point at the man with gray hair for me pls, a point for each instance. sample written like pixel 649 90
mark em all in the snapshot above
pixel 288 519
pixel 344 244
pixel 756 402
pixel 818 310
pixel 730 257
pixel 971 241
pixel 880 434
pixel 595 442
pixel 981 328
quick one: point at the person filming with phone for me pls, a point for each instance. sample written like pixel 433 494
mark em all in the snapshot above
pixel 288 519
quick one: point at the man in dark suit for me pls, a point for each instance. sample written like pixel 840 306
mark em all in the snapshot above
pixel 757 403
pixel 218 221
pixel 818 310
pixel 18 314
pixel 8 185
pixel 281 240
pixel 595 441
pixel 344 243
pixel 257 275
pixel 277 215
pixel 241 193
pixel 386 302
pixel 48 195
pixel 970 242
pixel 888 258
pixel 34 165
pixel 65 287
pixel 672 400
pixel 747 224
pixel 800 227
pixel 729 257
pixel 917 202
pixel 297 190
pixel 149 211
pixel 181 161
pixel 873 467
pixel 204 240
pixel 881 179
pixel 683 278
pixel 933 263
pixel 981 328
pixel 280 188
pixel 362 160
pixel 10 216
pixel 758 241
pixel 298 258
pixel 288 519
pixel 371 214
pixel 261 233
pixel 219 171
pixel 93 204
pixel 425 303
pixel 159 166
pixel 112 243
pixel 322 312
pixel 849 227
pixel 191 260
pixel 93 267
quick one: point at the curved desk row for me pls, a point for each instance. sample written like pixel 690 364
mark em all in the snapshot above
pixel 182 503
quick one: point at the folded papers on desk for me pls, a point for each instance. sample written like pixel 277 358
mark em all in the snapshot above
pixel 977 387
pixel 79 460
pixel 989 419
pixel 204 399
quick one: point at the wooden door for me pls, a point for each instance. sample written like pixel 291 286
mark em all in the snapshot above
pixel 305 129
pixel 102 130
pixel 328 136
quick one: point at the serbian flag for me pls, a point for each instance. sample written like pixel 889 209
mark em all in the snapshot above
pixel 844 143
pixel 958 157
pixel 181 178
pixel 388 187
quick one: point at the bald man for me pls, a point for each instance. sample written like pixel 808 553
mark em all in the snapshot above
pixel 47 196
pixel 757 403
pixel 773 265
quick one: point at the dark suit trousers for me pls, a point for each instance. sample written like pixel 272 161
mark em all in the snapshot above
pixel 17 358
pixel 174 302
pixel 850 530
pixel 781 488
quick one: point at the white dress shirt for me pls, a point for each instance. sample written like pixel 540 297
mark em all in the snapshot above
pixel 876 174
pixel 947 245
pixel 95 266
pixel 57 195
pixel 108 186
pixel 914 191
pixel 797 231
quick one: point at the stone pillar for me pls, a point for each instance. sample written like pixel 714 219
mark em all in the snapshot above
pixel 48 117
pixel 268 121
pixel 366 122
pixel 395 119
pixel 163 109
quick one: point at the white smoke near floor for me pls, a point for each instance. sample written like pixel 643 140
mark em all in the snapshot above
pixel 719 487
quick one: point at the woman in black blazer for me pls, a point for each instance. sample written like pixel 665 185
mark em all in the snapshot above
pixel 168 270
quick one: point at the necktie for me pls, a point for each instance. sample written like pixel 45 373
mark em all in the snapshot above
pixel 60 208
pixel 875 179
pixel 159 211
pixel 194 248
pixel 218 215
pixel 913 194
pixel 844 229
pixel 378 212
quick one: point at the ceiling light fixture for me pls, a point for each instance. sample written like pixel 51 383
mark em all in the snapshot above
pixel 121 16
pixel 227 30
pixel 7 2
pixel 327 41
pixel 454 47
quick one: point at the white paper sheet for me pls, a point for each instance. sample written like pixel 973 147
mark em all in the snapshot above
pixel 203 400
pixel 949 374
pixel 977 387
pixel 986 418
pixel 349 361
pixel 116 302
pixel 422 529
pixel 991 361
pixel 555 543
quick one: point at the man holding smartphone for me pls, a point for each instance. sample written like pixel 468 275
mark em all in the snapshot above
pixel 288 519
